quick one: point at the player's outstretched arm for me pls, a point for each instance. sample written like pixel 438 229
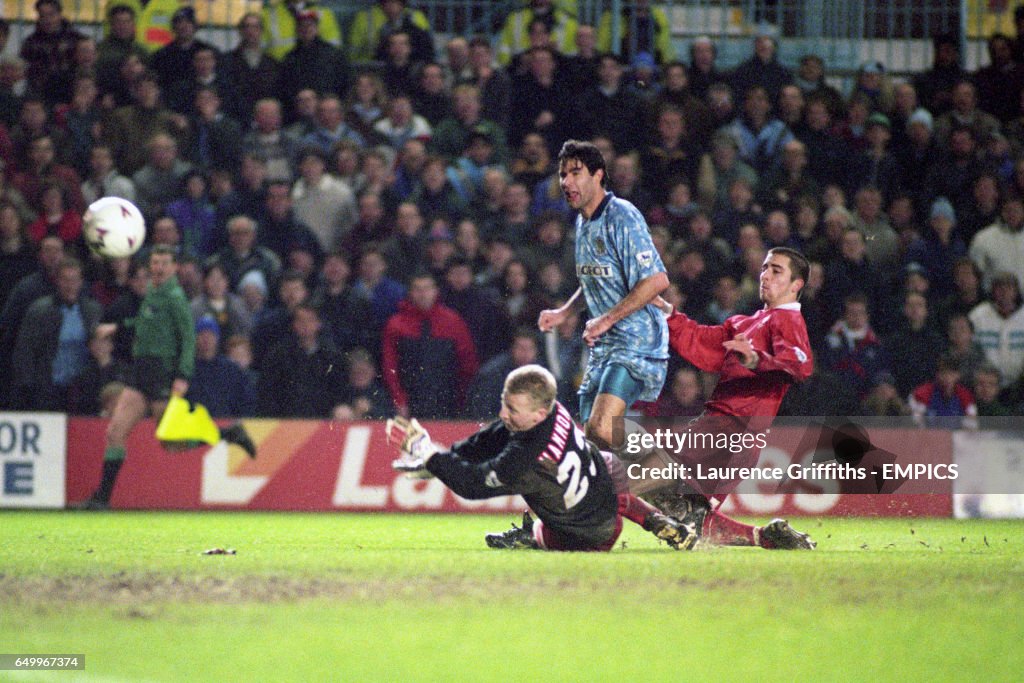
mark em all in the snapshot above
pixel 416 447
pixel 642 294
pixel 551 318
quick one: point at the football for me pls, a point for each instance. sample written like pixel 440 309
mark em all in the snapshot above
pixel 113 227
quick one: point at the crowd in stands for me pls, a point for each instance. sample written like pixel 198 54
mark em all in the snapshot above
pixel 366 224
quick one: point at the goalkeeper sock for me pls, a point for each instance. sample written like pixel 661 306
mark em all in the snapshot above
pixel 635 509
pixel 722 530
pixel 106 487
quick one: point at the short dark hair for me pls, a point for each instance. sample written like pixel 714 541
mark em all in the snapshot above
pixel 587 154
pixel 798 264
pixel 162 249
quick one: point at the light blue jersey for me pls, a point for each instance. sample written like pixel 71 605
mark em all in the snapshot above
pixel 614 252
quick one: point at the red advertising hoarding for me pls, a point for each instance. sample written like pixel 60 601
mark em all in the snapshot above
pixel 322 466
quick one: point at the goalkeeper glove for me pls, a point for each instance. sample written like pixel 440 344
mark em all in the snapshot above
pixel 416 447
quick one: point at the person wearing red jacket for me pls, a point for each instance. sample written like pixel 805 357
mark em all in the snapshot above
pixel 428 359
pixel 757 357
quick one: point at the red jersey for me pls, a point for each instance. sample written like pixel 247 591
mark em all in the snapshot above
pixel 778 335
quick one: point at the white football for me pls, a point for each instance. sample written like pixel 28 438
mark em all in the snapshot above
pixel 113 227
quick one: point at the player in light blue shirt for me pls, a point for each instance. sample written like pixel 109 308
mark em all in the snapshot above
pixel 620 274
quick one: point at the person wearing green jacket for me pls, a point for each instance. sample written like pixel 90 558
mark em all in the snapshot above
pixel 163 359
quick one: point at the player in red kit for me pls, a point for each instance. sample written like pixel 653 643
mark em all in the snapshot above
pixel 757 357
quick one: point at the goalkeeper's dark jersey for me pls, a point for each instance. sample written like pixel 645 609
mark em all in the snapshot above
pixel 560 474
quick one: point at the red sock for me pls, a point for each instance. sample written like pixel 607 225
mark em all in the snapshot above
pixel 721 530
pixel 634 509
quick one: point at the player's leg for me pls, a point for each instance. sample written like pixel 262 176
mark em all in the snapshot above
pixel 616 390
pixel 130 408
pixel 642 513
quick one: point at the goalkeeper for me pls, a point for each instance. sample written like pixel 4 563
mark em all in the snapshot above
pixel 163 358
pixel 536 450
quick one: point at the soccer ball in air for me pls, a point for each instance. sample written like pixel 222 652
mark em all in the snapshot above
pixel 113 227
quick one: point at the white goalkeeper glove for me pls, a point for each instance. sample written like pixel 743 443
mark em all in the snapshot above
pixel 416 447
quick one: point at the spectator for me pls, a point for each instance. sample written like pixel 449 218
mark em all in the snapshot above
pixel 965 114
pixel 56 218
pixel 967 291
pixel 983 210
pixel 130 126
pixel 485 391
pixel 371 26
pixel 372 224
pixel 884 399
pixel 173 62
pixel 544 106
pixel 41 170
pixel 126 306
pixel 514 37
pixel 719 168
pixel 986 394
pixel 52 343
pixel 181 95
pixel 915 346
pixel 760 136
pixel 104 179
pixel 451 135
pixel 432 99
pixel 400 69
pixel 872 84
pixel 345 314
pixel 48 50
pixel 609 109
pixel 853 272
pixel 522 302
pixel 999 327
pixel 218 383
pixel 875 165
pixel 428 355
pixel 217 137
pixel 218 303
pixel 642 29
pixel 302 114
pixel 118 43
pixel 938 249
pixel 242 254
pixel 493 83
pixel 999 84
pixel 935 86
pixel 410 162
pixel 17 258
pixel 266 138
pixel 298 378
pixel 364 397
pixel 281 25
pixel 81 117
pixel 882 241
pixel 725 302
pixel 273 324
pixel 331 127
pixel 384 293
pixel 477 307
pixel 962 348
pixel 313 63
pixel 684 397
pixel 194 214
pixel 101 370
pixel 672 156
pixel 825 149
pixel 566 355
pixel 159 182
pixel 716 252
pixel 789 182
pixel 513 223
pixel 253 72
pixel 855 353
pixel 1000 247
pixel 401 123
pixel 703 73
pixel 810 78
pixel 943 397
pixel 321 201
pixel 762 69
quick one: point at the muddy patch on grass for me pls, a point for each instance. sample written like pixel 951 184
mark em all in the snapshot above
pixel 129 590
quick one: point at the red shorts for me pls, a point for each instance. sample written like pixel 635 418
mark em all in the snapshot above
pixel 548 539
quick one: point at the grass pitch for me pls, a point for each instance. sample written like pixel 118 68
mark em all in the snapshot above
pixel 419 597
